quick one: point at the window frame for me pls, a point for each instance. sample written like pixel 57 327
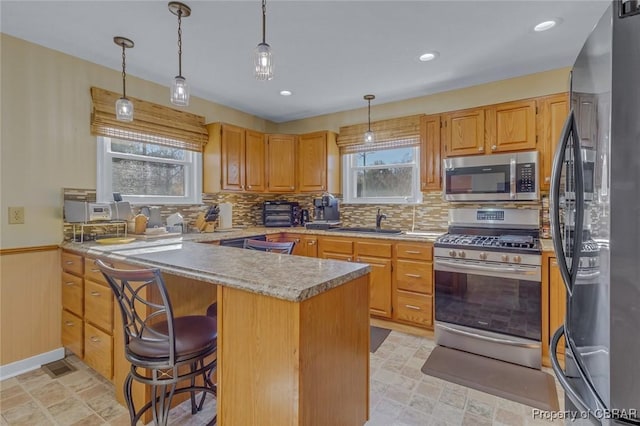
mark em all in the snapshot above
pixel 192 166
pixel 349 182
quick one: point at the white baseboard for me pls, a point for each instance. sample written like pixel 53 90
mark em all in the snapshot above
pixel 15 368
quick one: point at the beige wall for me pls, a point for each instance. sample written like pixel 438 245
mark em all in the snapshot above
pixel 45 140
pixel 544 83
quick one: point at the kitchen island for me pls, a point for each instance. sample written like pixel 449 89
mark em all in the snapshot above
pixel 293 332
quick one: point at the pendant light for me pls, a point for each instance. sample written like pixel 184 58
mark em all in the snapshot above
pixel 179 86
pixel 124 107
pixel 369 137
pixel 263 59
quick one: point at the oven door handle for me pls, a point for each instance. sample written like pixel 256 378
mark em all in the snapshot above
pixel 491 339
pixel 484 268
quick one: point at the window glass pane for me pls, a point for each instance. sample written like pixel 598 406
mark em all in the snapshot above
pixel 133 177
pixel 386 156
pixel 140 148
pixel 388 182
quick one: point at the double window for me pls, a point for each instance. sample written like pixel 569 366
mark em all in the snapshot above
pixel 147 173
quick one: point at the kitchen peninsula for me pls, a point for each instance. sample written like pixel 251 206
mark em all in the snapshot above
pixel 293 332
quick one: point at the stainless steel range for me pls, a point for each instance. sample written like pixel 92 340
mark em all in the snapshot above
pixel 488 294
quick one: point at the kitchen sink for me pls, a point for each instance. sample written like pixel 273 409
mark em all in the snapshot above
pixel 367 230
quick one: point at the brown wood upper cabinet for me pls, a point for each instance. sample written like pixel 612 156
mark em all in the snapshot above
pixel 318 162
pixel 239 154
pixel 552 113
pixel 281 163
pixel 509 126
pixel 430 177
pixel 464 132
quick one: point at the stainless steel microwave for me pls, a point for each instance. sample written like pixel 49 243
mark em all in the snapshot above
pixel 497 177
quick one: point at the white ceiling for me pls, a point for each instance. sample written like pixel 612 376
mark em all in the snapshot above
pixel 329 53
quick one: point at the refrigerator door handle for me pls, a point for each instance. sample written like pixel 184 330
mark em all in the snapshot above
pixel 581 405
pixel 579 194
pixel 554 201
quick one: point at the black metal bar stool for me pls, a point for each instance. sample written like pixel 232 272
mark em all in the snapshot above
pixel 163 350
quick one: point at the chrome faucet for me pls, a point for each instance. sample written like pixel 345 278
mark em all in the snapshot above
pixel 379 218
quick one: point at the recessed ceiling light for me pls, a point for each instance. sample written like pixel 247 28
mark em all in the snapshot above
pixel 286 92
pixel 429 56
pixel 546 25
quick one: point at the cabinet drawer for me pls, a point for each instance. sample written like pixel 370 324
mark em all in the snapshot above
pixel 373 249
pixel 414 251
pixel 98 305
pixel 414 276
pixel 72 333
pixel 336 246
pixel 71 263
pixel 414 308
pixel 72 293
pixel 92 272
pixel 98 350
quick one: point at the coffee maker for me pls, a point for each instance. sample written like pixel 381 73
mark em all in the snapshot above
pixel 326 209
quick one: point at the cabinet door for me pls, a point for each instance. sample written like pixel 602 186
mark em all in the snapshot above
pixel 552 113
pixel 557 302
pixel 306 245
pixel 312 162
pixel 415 308
pixel 511 126
pixel 72 333
pixel 310 245
pixel 232 151
pixel 430 153
pixel 379 285
pixel 281 163
pixel 72 294
pixel 254 161
pixel 98 350
pixel 465 132
pixel 335 248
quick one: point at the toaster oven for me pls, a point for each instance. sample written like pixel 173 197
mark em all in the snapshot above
pixel 280 213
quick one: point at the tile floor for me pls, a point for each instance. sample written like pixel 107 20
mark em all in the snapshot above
pixel 401 395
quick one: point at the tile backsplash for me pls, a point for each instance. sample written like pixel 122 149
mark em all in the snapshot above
pixel 430 215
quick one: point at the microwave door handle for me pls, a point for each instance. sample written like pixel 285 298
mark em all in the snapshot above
pixel 554 202
pixel 581 405
pixel 512 177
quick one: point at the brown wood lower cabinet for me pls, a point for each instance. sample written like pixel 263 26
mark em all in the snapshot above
pixel 413 295
pixel 98 350
pixel 378 254
pixel 72 333
pixel 305 245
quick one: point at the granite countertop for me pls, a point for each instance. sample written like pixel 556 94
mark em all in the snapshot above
pixel 293 278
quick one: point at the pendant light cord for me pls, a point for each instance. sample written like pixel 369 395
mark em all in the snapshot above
pixel 180 42
pixel 369 115
pixel 124 74
pixel 264 21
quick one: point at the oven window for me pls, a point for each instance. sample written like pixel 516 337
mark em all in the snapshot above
pixel 478 180
pixel 502 305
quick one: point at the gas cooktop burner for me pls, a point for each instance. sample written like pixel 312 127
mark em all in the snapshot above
pixel 494 241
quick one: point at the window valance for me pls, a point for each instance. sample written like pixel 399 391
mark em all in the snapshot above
pixel 395 132
pixel 152 123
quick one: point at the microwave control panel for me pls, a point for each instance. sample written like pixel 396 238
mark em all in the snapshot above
pixel 526 177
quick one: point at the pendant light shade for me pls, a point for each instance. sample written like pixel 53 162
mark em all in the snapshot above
pixel 179 86
pixel 263 58
pixel 124 107
pixel 369 136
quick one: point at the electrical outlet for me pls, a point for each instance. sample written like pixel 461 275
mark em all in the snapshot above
pixel 16 215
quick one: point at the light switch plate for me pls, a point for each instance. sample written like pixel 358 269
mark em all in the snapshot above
pixel 16 215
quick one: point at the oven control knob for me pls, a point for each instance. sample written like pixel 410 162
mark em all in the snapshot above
pixel 505 258
pixel 452 253
pixel 483 255
pixel 581 263
pixel 592 261
pixel 517 259
pixel 462 254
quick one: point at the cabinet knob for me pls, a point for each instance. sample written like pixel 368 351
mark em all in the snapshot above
pixel 69 283
pixel 547 179
pixel 69 323
pixel 413 275
pixel 249 186
pixel 312 242
pixel 414 307
pixel 291 187
pixel 297 240
pixel 69 262
pixel 493 147
pixel 94 339
pixel 348 259
pixel 95 294
pixel 481 148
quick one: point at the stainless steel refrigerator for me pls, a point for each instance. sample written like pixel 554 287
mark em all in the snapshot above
pixel 595 215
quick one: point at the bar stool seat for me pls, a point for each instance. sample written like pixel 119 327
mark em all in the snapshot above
pixel 163 350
